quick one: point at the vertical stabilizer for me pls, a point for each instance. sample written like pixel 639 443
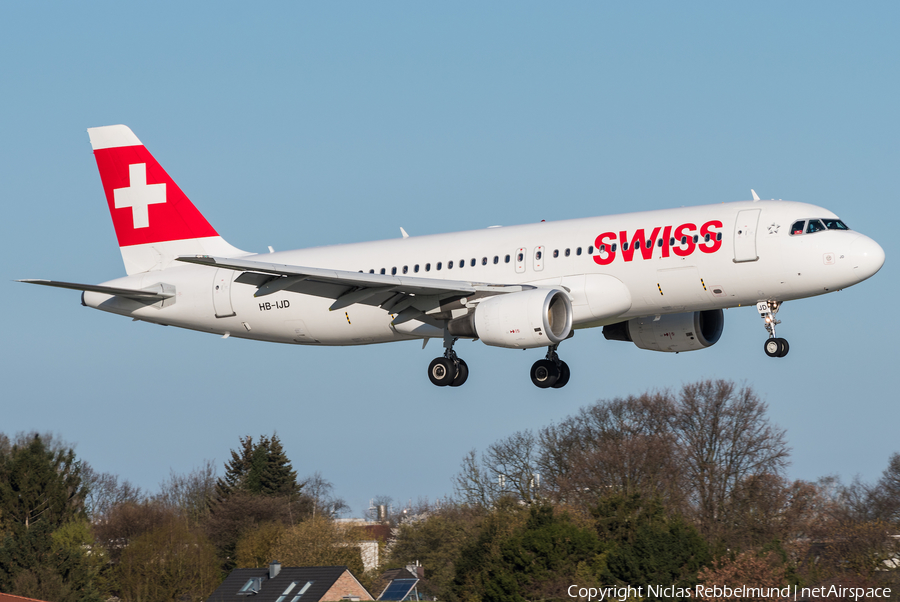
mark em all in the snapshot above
pixel 155 221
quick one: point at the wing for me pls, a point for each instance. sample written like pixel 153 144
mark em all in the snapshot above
pixel 407 296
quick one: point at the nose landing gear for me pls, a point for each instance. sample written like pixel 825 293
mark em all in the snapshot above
pixel 774 346
pixel 550 371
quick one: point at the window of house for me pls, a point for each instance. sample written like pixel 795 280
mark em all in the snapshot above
pixel 302 591
pixel 286 592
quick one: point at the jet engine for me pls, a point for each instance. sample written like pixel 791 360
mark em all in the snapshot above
pixel 671 332
pixel 532 318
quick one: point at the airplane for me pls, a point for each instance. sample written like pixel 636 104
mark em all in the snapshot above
pixel 658 279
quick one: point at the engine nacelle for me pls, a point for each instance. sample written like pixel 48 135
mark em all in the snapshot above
pixel 671 332
pixel 533 318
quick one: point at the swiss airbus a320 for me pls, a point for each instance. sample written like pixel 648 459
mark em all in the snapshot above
pixel 658 279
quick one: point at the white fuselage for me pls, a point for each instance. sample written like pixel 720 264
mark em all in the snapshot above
pixel 750 257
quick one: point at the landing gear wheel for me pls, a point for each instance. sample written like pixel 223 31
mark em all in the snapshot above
pixel 776 347
pixel 544 373
pixel 564 375
pixel 441 371
pixel 784 348
pixel 462 374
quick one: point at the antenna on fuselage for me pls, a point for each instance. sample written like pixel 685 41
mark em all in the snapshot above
pixel 755 196
pixel 403 232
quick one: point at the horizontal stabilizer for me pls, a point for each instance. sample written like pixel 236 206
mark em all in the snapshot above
pixel 108 290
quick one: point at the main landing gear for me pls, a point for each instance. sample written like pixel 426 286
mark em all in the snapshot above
pixel 550 371
pixel 448 370
pixel 774 347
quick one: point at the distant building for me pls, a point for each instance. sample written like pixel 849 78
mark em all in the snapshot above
pixel 288 584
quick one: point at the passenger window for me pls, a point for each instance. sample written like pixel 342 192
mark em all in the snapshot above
pixel 578 251
pixel 706 238
pixel 473 262
pixel 371 271
pixel 416 268
pixel 382 270
pixel 649 243
pixel 439 265
pixel 507 259
pixel 719 236
pixel 427 267
pixel 814 226
pixel 568 252
pixel 659 242
pixel 602 248
pixel 538 255
pixel 484 261
pixel 614 247
pixel 672 242
pixel 591 250
pixel 520 257
pixel 797 228
pixel 393 271
pixel 696 239
pixel 462 263
pixel 496 259
pixel 449 265
pixel 624 246
pixel 684 240
pixel 555 253
pixel 405 269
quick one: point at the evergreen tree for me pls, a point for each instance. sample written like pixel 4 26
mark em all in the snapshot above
pixel 260 468
pixel 38 484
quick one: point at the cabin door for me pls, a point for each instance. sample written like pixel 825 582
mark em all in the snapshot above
pixel 745 235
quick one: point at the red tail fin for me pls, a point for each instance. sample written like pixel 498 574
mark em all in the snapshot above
pixel 154 220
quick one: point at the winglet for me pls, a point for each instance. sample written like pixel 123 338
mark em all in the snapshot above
pixel 755 196
pixel 403 232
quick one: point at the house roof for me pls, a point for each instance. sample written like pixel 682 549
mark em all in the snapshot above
pixel 12 598
pixel 320 577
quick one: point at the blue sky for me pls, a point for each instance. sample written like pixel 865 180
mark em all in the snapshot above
pixel 305 124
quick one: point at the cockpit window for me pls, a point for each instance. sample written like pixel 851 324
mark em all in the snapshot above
pixel 797 228
pixel 815 225
pixel 835 224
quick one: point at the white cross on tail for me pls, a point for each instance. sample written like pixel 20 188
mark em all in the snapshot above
pixel 139 196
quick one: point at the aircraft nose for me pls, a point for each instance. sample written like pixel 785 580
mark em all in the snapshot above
pixel 866 256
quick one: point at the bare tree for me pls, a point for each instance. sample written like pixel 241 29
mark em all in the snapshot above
pixel 105 491
pixel 190 494
pixel 321 492
pixel 726 439
pixel 507 468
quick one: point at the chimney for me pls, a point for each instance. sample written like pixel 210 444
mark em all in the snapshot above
pixel 382 513
pixel 274 569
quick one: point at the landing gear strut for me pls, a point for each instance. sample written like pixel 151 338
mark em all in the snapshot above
pixel 550 371
pixel 774 346
pixel 448 370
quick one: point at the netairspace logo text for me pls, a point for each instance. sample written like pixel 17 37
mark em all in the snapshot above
pixel 625 592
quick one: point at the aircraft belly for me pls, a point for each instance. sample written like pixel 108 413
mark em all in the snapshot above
pixel 290 317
